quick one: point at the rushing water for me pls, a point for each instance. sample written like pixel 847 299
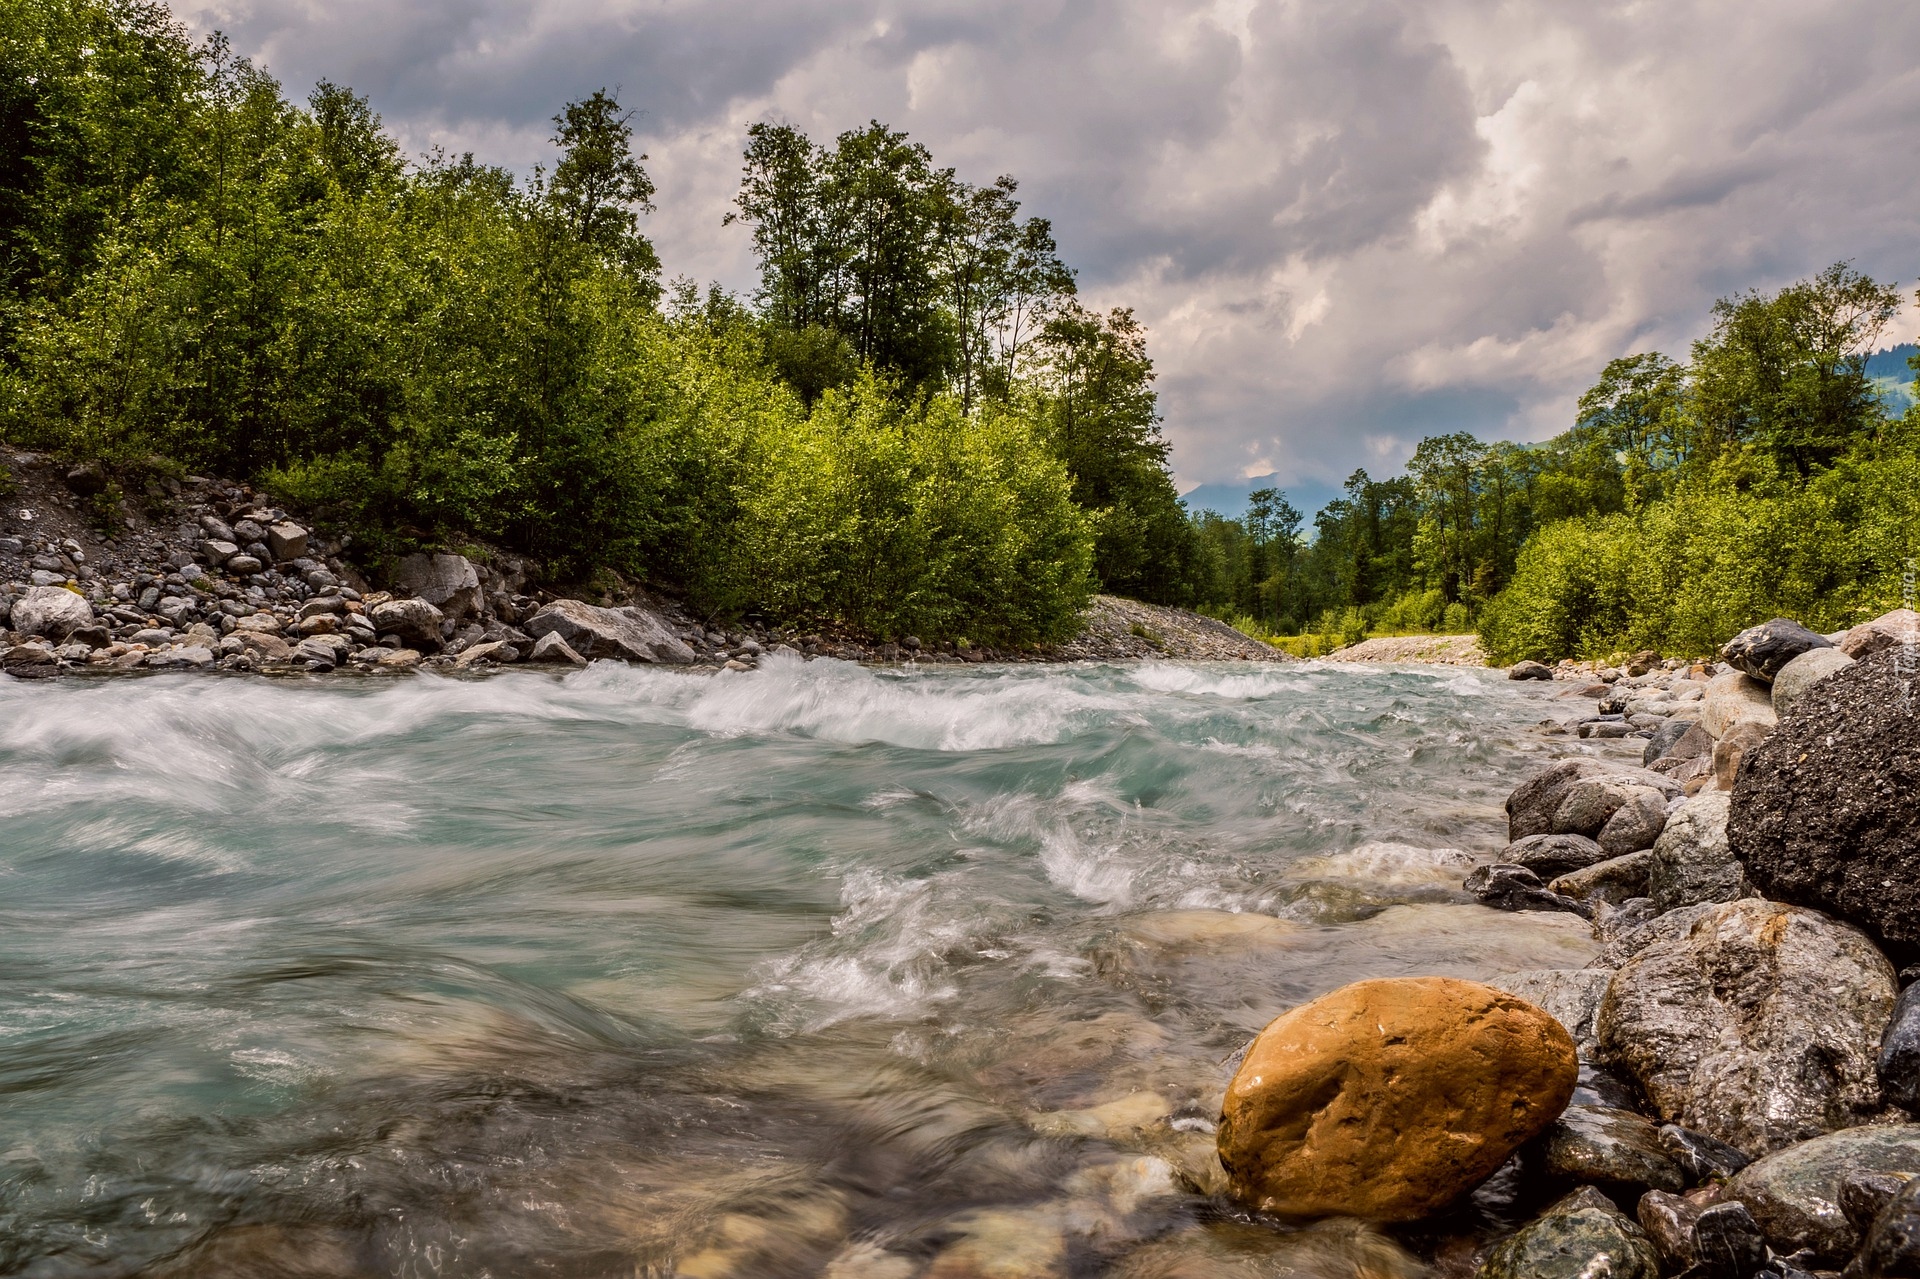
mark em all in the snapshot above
pixel 634 972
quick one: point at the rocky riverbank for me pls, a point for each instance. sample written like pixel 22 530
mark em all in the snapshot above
pixel 1729 1090
pixel 210 575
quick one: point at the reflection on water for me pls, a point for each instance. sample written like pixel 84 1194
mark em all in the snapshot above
pixel 811 971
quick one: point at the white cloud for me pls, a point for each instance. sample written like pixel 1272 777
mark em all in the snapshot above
pixel 1347 223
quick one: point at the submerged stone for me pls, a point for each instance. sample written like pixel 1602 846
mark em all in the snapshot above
pixel 1581 1237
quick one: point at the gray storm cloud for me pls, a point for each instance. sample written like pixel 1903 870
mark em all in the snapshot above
pixel 1347 224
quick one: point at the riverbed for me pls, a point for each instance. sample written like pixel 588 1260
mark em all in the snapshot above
pixel 814 969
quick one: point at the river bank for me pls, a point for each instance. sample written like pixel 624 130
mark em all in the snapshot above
pixel 212 575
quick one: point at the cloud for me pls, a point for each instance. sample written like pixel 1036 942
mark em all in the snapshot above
pixel 1348 224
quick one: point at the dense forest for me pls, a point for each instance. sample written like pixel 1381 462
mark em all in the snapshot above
pixel 1770 474
pixel 913 425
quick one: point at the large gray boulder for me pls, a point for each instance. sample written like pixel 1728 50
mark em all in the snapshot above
pixel 1795 1193
pixel 1549 856
pixel 1591 802
pixel 1802 673
pixel 448 582
pixel 1759 1025
pixel 1761 651
pixel 1692 862
pixel 1531 807
pixel 1826 813
pixel 52 611
pixel 631 634
pixel 415 621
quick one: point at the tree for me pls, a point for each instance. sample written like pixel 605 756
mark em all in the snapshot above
pixel 599 186
pixel 1787 374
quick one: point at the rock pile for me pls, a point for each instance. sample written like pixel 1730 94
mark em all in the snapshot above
pixel 1731 1095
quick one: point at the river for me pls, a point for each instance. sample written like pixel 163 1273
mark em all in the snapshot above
pixel 635 972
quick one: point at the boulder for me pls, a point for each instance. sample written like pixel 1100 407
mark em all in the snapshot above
pixel 1899 1062
pixel 1517 888
pixel 86 480
pixel 631 634
pixel 1614 881
pixel 1388 1099
pixel 1756 1026
pixel 1733 697
pixel 1529 670
pixel 1795 1193
pixel 1900 627
pixel 1692 862
pixel 1826 813
pixel 1892 1246
pixel 1628 940
pixel 1636 824
pixel 242 565
pixel 400 659
pixel 1701 1157
pixel 1581 1237
pixel 1531 807
pixel 1588 804
pixel 551 649
pixel 416 622
pixel 488 652
pixel 1664 738
pixel 1733 748
pixel 1803 672
pixel 216 552
pixel 286 541
pixel 1614 1149
pixel 448 582
pixel 52 611
pixel 1551 855
pixel 1761 651
pixel 1571 996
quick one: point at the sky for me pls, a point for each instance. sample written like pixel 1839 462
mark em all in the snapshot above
pixel 1347 224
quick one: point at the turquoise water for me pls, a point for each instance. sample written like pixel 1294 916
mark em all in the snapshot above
pixel 637 972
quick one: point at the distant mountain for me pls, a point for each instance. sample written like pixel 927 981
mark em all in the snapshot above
pixel 1229 499
pixel 1893 377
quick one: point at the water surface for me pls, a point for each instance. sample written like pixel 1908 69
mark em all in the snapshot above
pixel 815 969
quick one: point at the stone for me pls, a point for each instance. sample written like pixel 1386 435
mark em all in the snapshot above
pixel 1802 673
pixel 415 621
pixel 492 652
pixel 1668 1220
pixel 1864 1194
pixel 52 611
pixel 401 659
pixel 1826 813
pixel 217 552
pixel 1614 1149
pixel 266 623
pixel 1756 1026
pixel 1613 881
pixel 1549 856
pixel 286 541
pixel 1665 738
pixel 1901 628
pixel 1529 670
pixel 1588 804
pixel 1727 1243
pixel 265 644
pixel 1582 1237
pixel 244 565
pixel 1636 824
pixel 86 480
pixel 1732 749
pixel 192 656
pixel 1762 651
pixel 1892 1247
pixel 1388 1099
pixel 1623 943
pixel 1899 1062
pixel 631 634
pixel 1794 1193
pixel 1701 1157
pixel 1517 888
pixel 448 582
pixel 1692 862
pixel 551 649
pixel 319 604
pixel 1732 697
pixel 1531 807
pixel 1571 996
